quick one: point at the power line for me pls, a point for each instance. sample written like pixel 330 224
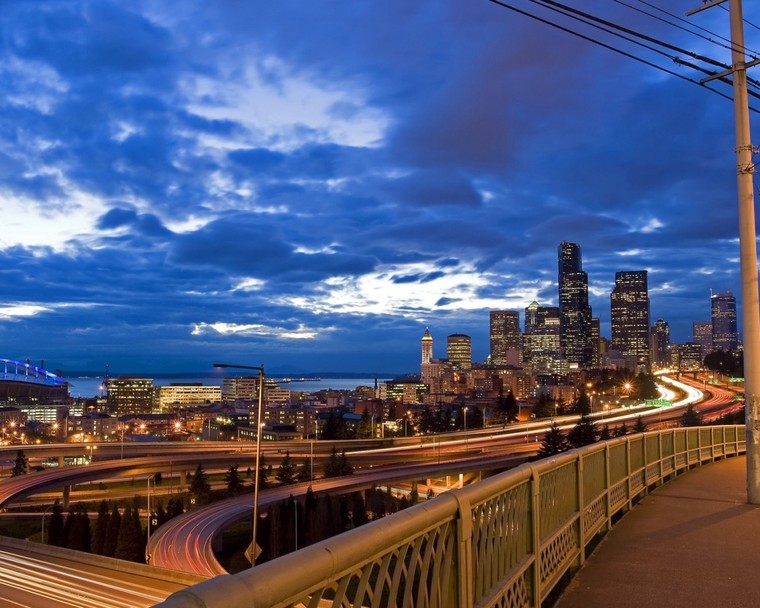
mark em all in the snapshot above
pixel 503 4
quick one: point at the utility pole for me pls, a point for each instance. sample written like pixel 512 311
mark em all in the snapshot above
pixel 747 242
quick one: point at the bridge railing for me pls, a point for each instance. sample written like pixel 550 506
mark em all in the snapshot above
pixel 505 541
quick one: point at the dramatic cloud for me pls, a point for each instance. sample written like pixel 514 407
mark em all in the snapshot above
pixel 311 186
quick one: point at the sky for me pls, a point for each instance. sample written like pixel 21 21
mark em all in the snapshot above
pixel 309 185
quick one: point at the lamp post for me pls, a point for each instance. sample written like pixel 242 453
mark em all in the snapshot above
pixel 465 426
pixel 260 369
pixel 147 546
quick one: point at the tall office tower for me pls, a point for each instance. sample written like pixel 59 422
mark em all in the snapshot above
pixel 574 310
pixel 506 343
pixel 659 342
pixel 702 331
pixel 724 332
pixel 596 336
pixel 629 314
pixel 459 351
pixel 427 347
pixel 130 395
pixel 541 340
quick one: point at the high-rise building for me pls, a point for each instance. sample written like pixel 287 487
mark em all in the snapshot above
pixel 629 315
pixel 542 340
pixel 506 342
pixel 459 351
pixel 702 331
pixel 574 309
pixel 659 343
pixel 724 333
pixel 130 395
pixel 427 347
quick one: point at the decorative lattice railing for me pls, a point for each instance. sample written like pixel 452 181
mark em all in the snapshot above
pixel 502 542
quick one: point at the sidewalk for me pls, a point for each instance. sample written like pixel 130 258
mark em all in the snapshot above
pixel 693 542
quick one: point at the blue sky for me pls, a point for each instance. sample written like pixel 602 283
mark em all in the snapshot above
pixel 310 185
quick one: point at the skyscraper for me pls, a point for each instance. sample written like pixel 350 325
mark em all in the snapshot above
pixel 702 331
pixel 427 346
pixel 575 312
pixel 659 341
pixel 459 351
pixel 724 333
pixel 541 340
pixel 629 315
pixel 506 343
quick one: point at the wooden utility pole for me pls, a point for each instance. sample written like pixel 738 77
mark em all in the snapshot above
pixel 745 169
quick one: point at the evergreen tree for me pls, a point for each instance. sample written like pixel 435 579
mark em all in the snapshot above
pixel 428 422
pixel 583 433
pixel 605 434
pixel 582 404
pixel 364 429
pixel 234 483
pixel 112 534
pixel 640 425
pixel 304 471
pixel 55 527
pixel 199 485
pixel 286 474
pixel 21 465
pixel 67 528
pixel 161 516
pixel 79 532
pixel 331 466
pixel 265 471
pixel 174 507
pixel 691 417
pixel 621 431
pixel 128 541
pixel 554 442
pixel 344 467
pixel 544 407
pixel 100 529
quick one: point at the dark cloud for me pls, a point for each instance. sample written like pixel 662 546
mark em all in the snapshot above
pixel 497 137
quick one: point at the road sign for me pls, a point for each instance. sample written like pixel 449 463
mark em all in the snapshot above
pixel 248 552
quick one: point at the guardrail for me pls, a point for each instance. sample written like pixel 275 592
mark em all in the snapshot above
pixel 505 541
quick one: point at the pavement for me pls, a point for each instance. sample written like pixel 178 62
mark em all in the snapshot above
pixel 693 542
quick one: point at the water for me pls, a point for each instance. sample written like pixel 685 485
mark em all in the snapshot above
pixel 91 386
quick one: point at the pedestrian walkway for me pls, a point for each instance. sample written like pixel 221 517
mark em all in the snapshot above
pixel 694 542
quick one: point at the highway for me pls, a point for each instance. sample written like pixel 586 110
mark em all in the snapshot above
pixel 186 542
pixel 34 580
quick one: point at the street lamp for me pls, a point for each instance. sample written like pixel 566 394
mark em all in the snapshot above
pixel 43 521
pixel 91 448
pixel 465 425
pixel 147 545
pixel 260 369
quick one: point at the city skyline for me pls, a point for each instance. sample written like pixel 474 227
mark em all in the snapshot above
pixel 309 189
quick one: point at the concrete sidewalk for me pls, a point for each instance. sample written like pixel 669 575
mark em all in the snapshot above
pixel 691 543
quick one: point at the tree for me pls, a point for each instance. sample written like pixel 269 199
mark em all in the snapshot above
pixel 129 539
pixel 621 431
pixel 544 407
pixel 344 467
pixel 507 408
pixel 199 486
pixel 21 466
pixel 554 442
pixel 304 471
pixel 100 529
pixel 646 386
pixel 583 433
pixel 286 474
pixel 582 404
pixel 331 464
pixel 691 417
pixel 55 527
pixel 234 483
pixel 640 425
pixel 605 434
pixel 79 536
pixel 364 430
pixel 112 534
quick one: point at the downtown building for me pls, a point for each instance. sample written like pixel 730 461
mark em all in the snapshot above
pixel 541 342
pixel 702 335
pixel 129 395
pixel 659 344
pixel 459 350
pixel 724 330
pixel 505 337
pixel 629 316
pixel 574 309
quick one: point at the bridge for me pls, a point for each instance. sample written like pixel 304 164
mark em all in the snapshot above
pixel 506 541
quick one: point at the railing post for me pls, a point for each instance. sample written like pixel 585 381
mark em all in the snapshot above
pixel 464 551
pixel 581 508
pixel 607 484
pixel 536 521
pixel 628 471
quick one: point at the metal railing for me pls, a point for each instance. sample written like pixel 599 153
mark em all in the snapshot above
pixel 505 541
